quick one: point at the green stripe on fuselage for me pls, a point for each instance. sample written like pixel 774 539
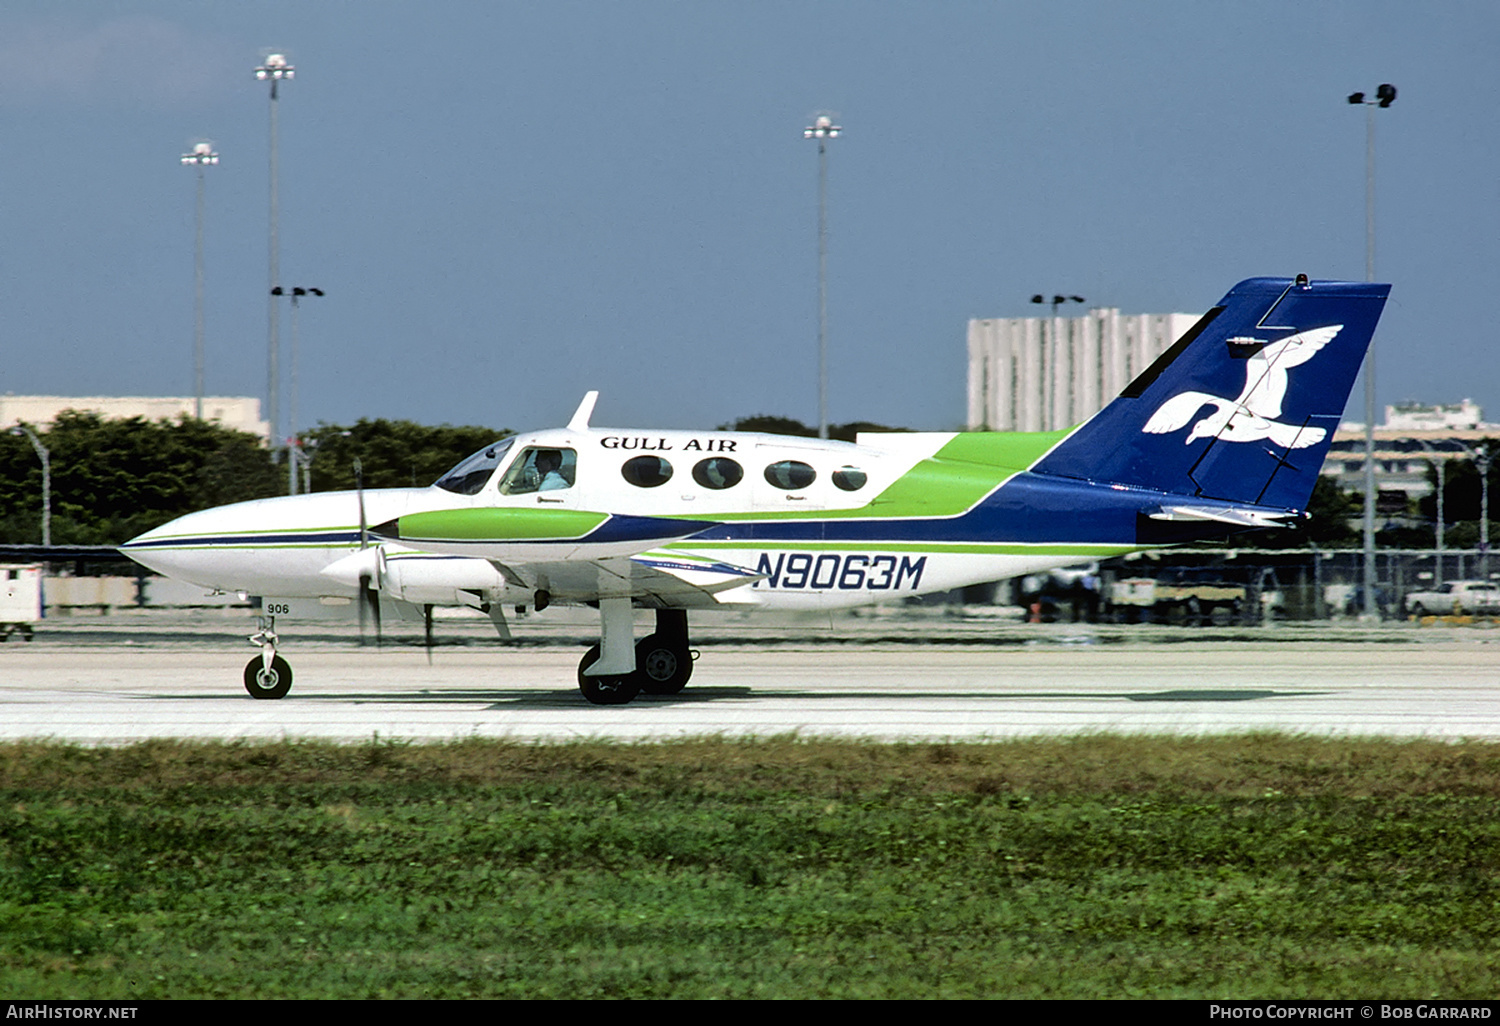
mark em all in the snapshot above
pixel 951 481
pixel 499 523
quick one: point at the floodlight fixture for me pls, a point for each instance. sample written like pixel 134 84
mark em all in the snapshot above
pixel 822 128
pixel 275 68
pixel 203 155
pixel 1056 300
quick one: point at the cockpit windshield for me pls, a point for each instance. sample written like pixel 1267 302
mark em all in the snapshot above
pixel 471 475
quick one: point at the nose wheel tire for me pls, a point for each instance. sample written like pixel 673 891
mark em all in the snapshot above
pixel 264 681
pixel 608 688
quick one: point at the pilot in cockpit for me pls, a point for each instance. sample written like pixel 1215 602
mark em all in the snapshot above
pixel 548 468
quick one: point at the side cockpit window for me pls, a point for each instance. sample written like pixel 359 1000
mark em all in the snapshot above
pixel 470 476
pixel 541 470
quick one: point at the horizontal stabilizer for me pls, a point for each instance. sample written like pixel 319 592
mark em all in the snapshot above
pixel 1236 516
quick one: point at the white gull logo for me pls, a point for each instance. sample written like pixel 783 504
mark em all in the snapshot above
pixel 1249 417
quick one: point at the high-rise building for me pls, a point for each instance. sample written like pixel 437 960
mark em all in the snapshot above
pixel 1049 373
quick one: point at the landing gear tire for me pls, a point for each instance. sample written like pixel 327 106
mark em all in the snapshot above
pixel 609 688
pixel 663 668
pixel 272 681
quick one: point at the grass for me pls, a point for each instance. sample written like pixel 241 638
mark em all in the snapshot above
pixel 1253 866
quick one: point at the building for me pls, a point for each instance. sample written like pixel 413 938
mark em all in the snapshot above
pixel 1049 373
pixel 1413 437
pixel 239 413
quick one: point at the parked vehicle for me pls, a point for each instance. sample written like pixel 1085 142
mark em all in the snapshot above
pixel 20 599
pixel 1456 598
pixel 1190 595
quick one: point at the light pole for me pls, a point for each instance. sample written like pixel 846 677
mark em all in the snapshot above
pixel 822 129
pixel 45 457
pixel 203 156
pixel 274 70
pixel 1385 95
pixel 1483 457
pixel 292 444
pixel 1440 465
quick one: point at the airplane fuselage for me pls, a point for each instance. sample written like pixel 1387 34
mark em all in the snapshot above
pixel 815 523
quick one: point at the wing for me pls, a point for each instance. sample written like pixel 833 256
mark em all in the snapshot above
pixel 574 556
pixel 1174 414
pixel 657 578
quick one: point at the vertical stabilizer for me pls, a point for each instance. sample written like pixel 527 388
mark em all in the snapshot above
pixel 1244 406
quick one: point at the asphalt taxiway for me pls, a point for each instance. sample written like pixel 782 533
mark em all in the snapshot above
pixel 102 682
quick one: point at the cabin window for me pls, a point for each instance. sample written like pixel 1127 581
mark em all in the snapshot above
pixel 849 479
pixel 790 475
pixel 540 469
pixel 718 472
pixel 646 471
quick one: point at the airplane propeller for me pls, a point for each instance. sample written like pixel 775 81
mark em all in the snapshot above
pixel 369 608
pixel 369 595
pixel 427 630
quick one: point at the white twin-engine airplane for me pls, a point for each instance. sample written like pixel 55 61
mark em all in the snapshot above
pixel 680 520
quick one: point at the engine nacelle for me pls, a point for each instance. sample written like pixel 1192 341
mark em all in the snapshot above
pixel 446 581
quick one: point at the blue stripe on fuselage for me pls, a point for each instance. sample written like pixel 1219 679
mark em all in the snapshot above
pixel 304 538
pixel 1027 509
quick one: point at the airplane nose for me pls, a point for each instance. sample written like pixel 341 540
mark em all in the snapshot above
pixel 154 550
pixel 179 548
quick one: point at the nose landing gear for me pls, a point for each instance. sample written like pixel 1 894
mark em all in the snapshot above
pixel 267 675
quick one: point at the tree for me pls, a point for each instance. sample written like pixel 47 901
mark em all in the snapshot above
pixel 113 479
pixel 1461 490
pixel 774 425
pixel 392 453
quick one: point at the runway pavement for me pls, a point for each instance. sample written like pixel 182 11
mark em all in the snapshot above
pixel 103 681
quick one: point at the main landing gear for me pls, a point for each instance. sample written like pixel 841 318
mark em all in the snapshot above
pixel 658 664
pixel 267 675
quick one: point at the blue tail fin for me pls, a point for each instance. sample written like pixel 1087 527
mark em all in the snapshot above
pixel 1243 407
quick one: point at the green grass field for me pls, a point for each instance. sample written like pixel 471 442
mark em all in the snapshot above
pixel 1258 866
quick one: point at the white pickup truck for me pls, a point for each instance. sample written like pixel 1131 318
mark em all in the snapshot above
pixel 1455 598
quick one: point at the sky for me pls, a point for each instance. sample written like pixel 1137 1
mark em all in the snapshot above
pixel 510 203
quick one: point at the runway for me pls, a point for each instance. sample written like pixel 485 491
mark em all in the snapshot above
pixel 108 691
